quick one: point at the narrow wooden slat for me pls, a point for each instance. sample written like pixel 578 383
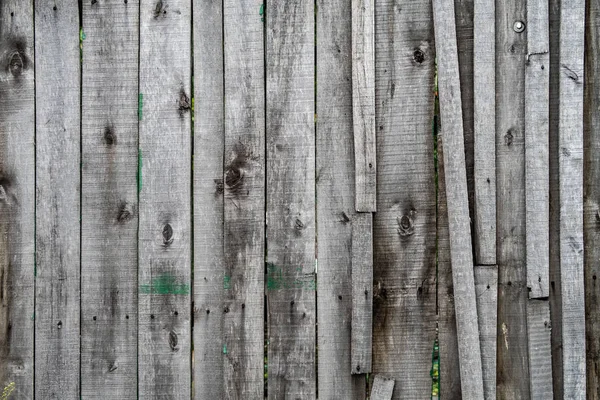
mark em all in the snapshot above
pixel 486 288
pixel 244 203
pixel 456 194
pixel 17 201
pixel 570 166
pixel 363 103
pixel 164 368
pixel 511 57
pixel 362 293
pixel 404 226
pixel 540 357
pixel 484 132
pixel 383 388
pixel 336 201
pixel 57 75
pixel 209 142
pixel 291 199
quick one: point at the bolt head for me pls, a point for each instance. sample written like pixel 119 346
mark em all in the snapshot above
pixel 519 26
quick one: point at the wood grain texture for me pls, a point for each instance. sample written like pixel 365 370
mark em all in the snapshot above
pixel 404 226
pixel 209 146
pixel 363 103
pixel 17 198
pixel 383 388
pixel 570 166
pixel 164 363
pixel 362 293
pixel 57 315
pixel 109 204
pixel 511 57
pixel 484 112
pixel 336 204
pixel 486 289
pixel 540 357
pixel 457 199
pixel 244 203
pixel 291 200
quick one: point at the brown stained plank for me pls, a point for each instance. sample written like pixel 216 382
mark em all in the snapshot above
pixel 17 201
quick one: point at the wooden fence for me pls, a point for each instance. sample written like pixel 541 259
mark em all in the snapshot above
pixel 225 199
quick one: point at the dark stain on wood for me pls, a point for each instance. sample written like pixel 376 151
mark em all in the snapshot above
pixel 380 297
pixel 110 138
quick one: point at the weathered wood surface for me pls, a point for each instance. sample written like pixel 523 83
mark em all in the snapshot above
pixel 335 208
pixel 511 56
pixel 362 293
pixel 540 357
pixel 383 388
pixel 291 200
pixel 164 367
pixel 484 111
pixel 570 166
pixel 57 286
pixel 486 289
pixel 363 103
pixel 244 203
pixel 457 200
pixel 17 198
pixel 404 226
pixel 109 200
pixel 209 145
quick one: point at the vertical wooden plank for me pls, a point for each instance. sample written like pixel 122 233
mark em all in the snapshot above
pixel 484 82
pixel 244 204
pixel 540 366
pixel 486 288
pixel 209 142
pixel 336 201
pixel 404 226
pixel 511 57
pixel 17 201
pixel 363 103
pixel 164 368
pixel 291 199
pixel 570 166
pixel 57 315
pixel 109 199
pixel 383 388
pixel 362 296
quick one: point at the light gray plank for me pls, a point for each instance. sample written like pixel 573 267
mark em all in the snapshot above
pixel 164 368
pixel 57 315
pixel 363 103
pixel 109 200
pixel 484 111
pixel 291 199
pixel 17 201
pixel 457 198
pixel 511 57
pixel 362 296
pixel 486 288
pixel 570 166
pixel 404 226
pixel 540 357
pixel 244 203
pixel 336 205
pixel 383 388
pixel 209 145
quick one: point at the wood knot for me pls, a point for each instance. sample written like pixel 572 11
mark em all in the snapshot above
pixel 184 103
pixel 234 177
pixel 112 368
pixel 405 225
pixel 218 186
pixel 299 225
pixel 109 136
pixel 125 213
pixel 16 64
pixel 509 137
pixel 173 341
pixel 160 9
pixel 418 56
pixel 167 234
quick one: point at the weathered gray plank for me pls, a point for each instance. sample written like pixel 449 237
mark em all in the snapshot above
pixel 336 205
pixel 17 201
pixel 291 199
pixel 570 166
pixel 484 112
pixel 404 226
pixel 109 200
pixel 511 49
pixel 209 145
pixel 363 103
pixel 486 288
pixel 164 368
pixel 540 357
pixel 383 388
pixel 457 200
pixel 362 296
pixel 57 75
pixel 244 203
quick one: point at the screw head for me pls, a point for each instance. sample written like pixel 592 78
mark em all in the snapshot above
pixel 519 26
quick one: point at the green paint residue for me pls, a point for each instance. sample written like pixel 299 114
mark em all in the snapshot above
pixel 435 370
pixel 226 282
pixel 8 389
pixel 277 279
pixel 224 349
pixel 261 12
pixel 139 171
pixel 140 105
pixel 165 284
